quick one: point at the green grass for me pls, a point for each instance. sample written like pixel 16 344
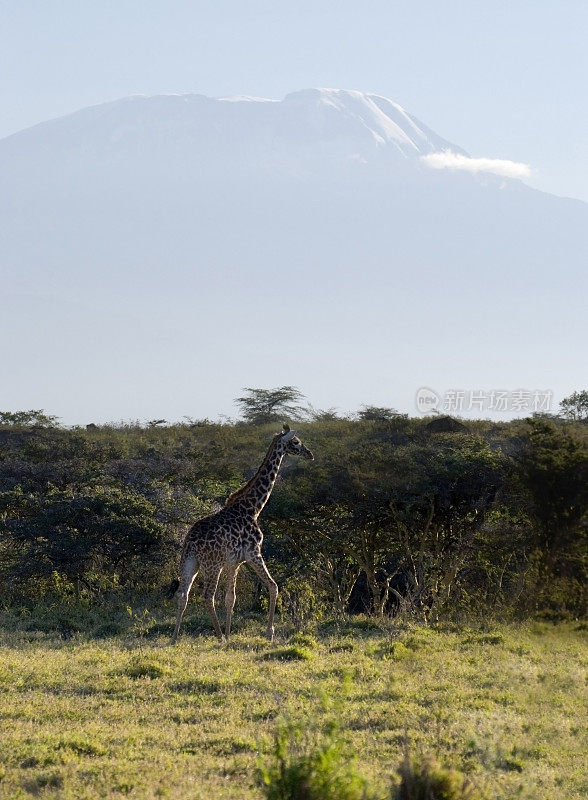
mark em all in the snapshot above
pixel 128 716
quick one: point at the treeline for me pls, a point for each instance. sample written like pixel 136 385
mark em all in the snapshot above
pixel 434 516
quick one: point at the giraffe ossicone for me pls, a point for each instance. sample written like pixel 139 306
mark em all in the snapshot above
pixel 225 540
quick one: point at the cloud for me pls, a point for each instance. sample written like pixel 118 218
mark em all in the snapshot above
pixel 497 166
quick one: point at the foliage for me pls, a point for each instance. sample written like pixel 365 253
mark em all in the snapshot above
pixel 324 414
pixel 378 413
pixel 320 768
pixel 555 465
pixel 27 418
pixel 575 406
pixel 391 518
pixel 86 536
pixel 294 652
pixel 424 779
pixel 260 406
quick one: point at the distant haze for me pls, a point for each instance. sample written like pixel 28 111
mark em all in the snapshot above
pixel 160 253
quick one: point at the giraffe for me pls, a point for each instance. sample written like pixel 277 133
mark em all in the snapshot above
pixel 232 536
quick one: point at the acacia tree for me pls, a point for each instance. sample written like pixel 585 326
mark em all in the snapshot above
pixel 322 539
pixel 378 414
pixel 259 406
pixel 438 512
pixel 409 518
pixel 416 515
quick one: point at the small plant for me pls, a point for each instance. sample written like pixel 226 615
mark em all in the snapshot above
pixel 294 652
pixel 140 624
pixel 304 640
pixel 396 651
pixel 298 602
pixel 321 771
pixel 425 779
pixel 141 667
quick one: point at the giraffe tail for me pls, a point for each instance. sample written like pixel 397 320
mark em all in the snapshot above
pixel 172 588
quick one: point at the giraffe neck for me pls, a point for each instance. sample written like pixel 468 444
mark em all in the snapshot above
pixel 255 494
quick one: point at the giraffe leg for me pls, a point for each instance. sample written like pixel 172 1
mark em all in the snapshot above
pixel 231 572
pixel 258 564
pixel 211 577
pixel 187 575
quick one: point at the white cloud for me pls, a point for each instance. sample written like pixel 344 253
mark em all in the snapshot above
pixel 497 166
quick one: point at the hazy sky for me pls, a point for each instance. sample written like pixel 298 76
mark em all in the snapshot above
pixel 501 79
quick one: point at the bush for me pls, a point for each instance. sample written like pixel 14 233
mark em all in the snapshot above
pixel 300 771
pixel 425 779
pixel 95 537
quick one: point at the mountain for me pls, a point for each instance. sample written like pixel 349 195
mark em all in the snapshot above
pixel 330 123
pixel 160 253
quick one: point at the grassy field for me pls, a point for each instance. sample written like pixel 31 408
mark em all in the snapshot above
pixel 130 716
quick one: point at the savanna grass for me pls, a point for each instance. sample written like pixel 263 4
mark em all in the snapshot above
pixel 502 709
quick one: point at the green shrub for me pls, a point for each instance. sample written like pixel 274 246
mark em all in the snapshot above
pixel 299 771
pixel 304 640
pixel 396 651
pixel 298 601
pixel 89 538
pixel 292 653
pixel 90 515
pixel 425 779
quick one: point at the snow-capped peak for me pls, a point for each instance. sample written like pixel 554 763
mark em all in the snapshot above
pixel 312 123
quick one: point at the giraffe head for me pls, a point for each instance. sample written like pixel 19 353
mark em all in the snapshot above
pixel 292 445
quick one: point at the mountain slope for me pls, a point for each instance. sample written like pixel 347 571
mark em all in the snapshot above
pixel 161 253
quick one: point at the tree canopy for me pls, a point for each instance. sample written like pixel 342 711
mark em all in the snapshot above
pixel 259 406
